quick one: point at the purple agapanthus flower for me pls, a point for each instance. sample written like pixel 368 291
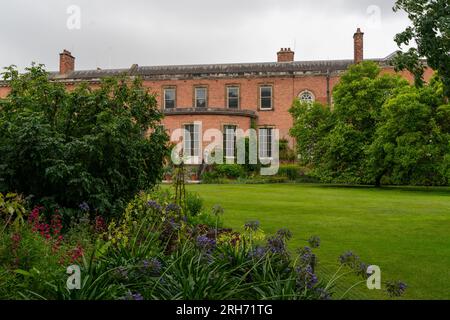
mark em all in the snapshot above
pixel 396 288
pixel 307 257
pixel 122 272
pixel 276 244
pixel 206 244
pixel 152 266
pixel 137 296
pixel 361 270
pixel 154 205
pixel 217 210
pixel 84 207
pixel 306 278
pixel 173 224
pixel 323 294
pixel 173 208
pixel 133 296
pixel 349 259
pixel 257 253
pixel 314 242
pixel 251 226
pixel 284 233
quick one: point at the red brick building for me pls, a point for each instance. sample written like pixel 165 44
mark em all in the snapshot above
pixel 232 95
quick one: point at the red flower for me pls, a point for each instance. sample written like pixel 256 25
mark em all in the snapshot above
pixel 100 224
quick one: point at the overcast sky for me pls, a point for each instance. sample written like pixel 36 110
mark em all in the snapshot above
pixel 118 33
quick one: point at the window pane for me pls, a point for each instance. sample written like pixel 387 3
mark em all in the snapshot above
pixel 200 93
pixel 233 92
pixel 307 97
pixel 196 139
pixel 169 98
pixel 170 94
pixel 192 140
pixel 187 140
pixel 170 104
pixel 265 142
pixel 266 92
pixel 201 103
pixel 233 97
pixel 229 139
pixel 266 97
pixel 262 143
pixel 269 143
pixel 266 103
pixel 200 97
pixel 233 103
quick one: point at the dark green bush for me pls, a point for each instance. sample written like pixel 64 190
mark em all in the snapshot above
pixel 286 153
pixel 211 177
pixel 98 146
pixel 291 171
pixel 231 171
pixel 194 203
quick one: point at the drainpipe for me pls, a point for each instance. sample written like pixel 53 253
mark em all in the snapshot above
pixel 328 88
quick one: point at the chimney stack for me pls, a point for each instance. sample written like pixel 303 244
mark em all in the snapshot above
pixel 358 38
pixel 285 55
pixel 66 62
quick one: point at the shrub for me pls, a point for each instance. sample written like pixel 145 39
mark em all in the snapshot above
pixel 12 209
pixel 286 153
pixel 211 177
pixel 232 171
pixel 194 203
pixel 70 146
pixel 292 172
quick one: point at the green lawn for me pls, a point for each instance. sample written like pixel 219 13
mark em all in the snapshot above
pixel 406 231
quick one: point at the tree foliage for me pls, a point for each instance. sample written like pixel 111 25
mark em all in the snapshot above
pixel 98 145
pixel 312 122
pixel 335 143
pixel 430 30
pixel 381 130
pixel 411 146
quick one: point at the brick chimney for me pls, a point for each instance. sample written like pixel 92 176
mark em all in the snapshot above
pixel 285 55
pixel 358 38
pixel 66 62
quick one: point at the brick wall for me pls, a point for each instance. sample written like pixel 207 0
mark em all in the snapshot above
pixel 285 90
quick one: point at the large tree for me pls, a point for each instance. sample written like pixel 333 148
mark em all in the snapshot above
pixel 98 146
pixel 412 144
pixel 358 100
pixel 430 30
pixel 311 123
pixel 335 143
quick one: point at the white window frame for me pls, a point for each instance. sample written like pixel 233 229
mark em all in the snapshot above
pixel 261 97
pixel 191 142
pixel 196 97
pixel 313 97
pixel 265 142
pixel 229 140
pixel 174 99
pixel 238 97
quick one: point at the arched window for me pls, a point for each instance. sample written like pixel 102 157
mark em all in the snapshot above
pixel 306 96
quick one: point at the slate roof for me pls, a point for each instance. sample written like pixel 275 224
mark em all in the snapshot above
pixel 237 69
pixel 205 70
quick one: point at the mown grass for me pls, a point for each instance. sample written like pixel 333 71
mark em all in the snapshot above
pixel 405 231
